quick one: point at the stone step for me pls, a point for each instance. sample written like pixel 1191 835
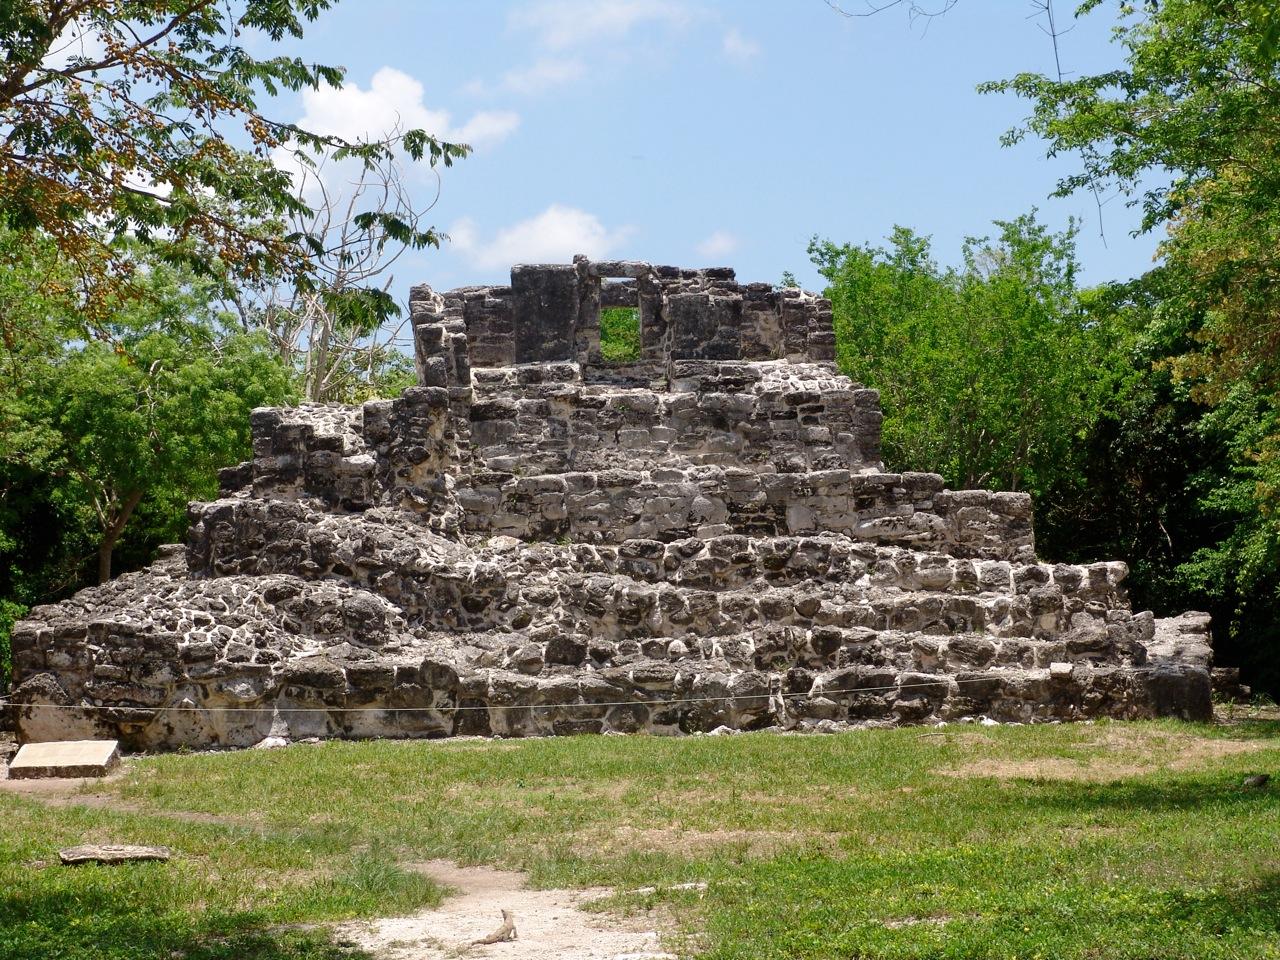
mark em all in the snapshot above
pixel 761 416
pixel 616 607
pixel 613 506
pixel 64 758
pixel 613 619
pixel 722 585
pixel 736 561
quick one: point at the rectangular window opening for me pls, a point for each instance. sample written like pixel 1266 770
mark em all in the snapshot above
pixel 620 334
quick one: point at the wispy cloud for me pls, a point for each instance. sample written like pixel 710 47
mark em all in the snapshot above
pixel 719 244
pixel 552 236
pixel 738 47
pixel 561 24
pixel 539 77
pixel 393 102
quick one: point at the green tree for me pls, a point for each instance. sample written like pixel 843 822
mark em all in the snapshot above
pixel 94 429
pixel 1189 129
pixel 157 423
pixel 114 117
pixel 988 372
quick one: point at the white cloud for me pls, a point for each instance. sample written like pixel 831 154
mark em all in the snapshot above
pixel 539 77
pixel 393 101
pixel 486 127
pixel 553 236
pixel 74 43
pixel 560 24
pixel 740 48
pixel 719 244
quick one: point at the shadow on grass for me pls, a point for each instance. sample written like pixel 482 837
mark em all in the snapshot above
pixel 1254 907
pixel 1247 729
pixel 1219 792
pixel 105 921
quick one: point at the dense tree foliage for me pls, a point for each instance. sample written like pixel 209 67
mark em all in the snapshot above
pixel 620 334
pixel 990 372
pixel 1189 129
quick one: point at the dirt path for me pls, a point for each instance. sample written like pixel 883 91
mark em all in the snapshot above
pixel 551 923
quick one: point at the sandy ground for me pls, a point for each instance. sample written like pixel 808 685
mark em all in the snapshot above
pixel 551 924
pixel 1122 752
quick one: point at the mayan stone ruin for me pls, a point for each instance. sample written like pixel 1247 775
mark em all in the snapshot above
pixel 534 541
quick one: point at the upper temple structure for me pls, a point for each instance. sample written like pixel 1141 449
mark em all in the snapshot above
pixel 536 540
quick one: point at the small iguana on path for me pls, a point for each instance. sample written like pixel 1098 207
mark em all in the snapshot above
pixel 504 933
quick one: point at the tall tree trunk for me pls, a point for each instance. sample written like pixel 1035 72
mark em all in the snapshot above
pixel 112 534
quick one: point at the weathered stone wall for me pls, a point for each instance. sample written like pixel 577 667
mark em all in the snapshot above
pixel 612 506
pixel 807 581
pixel 762 416
pixel 399 452
pixel 534 541
pixel 579 638
pixel 551 314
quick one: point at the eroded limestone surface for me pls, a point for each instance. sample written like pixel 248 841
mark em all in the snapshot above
pixel 534 541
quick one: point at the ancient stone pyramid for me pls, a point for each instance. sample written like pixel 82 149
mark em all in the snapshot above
pixel 535 541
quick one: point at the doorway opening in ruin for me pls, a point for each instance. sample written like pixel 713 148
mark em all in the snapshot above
pixel 619 322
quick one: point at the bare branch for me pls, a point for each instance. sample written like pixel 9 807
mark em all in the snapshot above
pixel 914 10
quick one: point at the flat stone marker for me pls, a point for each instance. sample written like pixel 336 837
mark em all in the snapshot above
pixel 110 853
pixel 65 758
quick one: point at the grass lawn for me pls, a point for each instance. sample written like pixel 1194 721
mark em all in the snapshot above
pixel 1108 840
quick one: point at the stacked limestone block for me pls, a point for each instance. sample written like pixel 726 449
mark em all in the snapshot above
pixel 536 542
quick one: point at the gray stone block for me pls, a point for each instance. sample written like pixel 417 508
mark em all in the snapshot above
pixel 64 758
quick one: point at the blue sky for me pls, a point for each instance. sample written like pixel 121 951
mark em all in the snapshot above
pixel 702 132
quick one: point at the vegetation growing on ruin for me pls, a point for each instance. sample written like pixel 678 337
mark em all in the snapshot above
pixel 1122 840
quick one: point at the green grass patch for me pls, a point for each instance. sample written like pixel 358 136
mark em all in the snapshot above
pixel 1108 840
pixel 230 892
pixel 620 334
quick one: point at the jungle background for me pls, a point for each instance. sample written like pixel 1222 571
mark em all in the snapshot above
pixel 157 283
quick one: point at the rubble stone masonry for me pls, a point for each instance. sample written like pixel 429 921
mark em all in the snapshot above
pixel 535 541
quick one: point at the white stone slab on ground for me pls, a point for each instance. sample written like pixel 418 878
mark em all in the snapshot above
pixel 65 758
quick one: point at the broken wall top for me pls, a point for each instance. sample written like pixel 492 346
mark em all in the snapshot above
pixel 551 313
